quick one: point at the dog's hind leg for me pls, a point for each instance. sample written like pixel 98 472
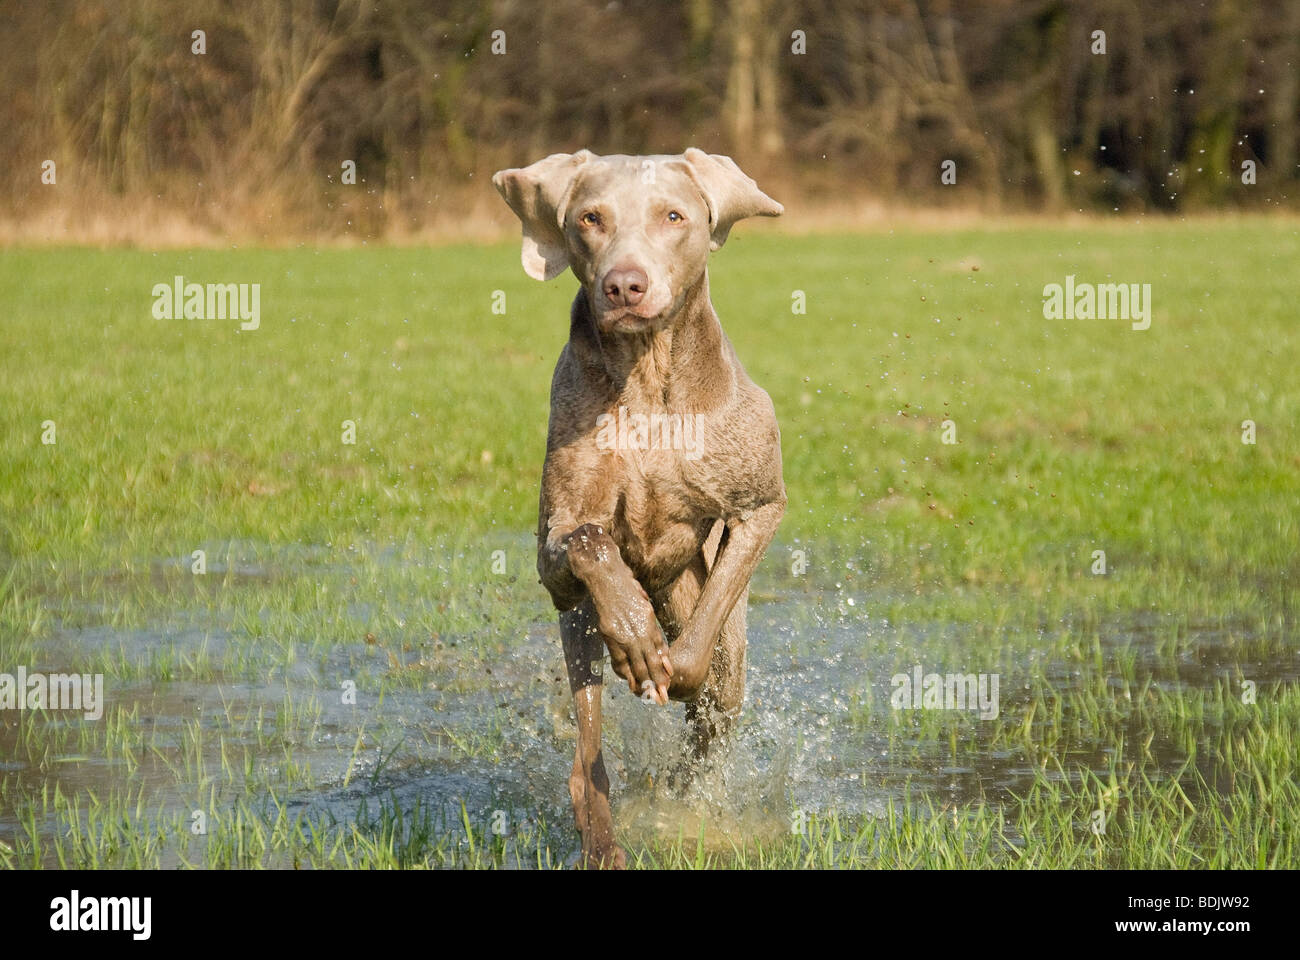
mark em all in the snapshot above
pixel 584 657
pixel 716 704
pixel 714 712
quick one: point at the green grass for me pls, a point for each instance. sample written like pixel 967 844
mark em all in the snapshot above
pixel 373 562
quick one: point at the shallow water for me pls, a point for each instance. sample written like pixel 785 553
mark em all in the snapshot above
pixel 818 733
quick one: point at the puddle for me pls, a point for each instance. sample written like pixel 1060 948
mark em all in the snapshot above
pixel 467 729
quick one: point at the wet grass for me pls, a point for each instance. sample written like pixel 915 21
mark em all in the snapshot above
pixel 1161 694
pixel 1236 809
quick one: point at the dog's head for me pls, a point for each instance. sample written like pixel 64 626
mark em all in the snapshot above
pixel 636 231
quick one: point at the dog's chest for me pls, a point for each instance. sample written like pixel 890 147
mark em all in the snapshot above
pixel 659 520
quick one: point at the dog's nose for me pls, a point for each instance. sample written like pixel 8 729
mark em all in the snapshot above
pixel 625 286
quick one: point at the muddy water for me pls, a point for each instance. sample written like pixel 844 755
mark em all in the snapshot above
pixel 818 733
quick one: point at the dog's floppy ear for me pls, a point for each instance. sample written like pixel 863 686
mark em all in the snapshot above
pixel 538 195
pixel 730 194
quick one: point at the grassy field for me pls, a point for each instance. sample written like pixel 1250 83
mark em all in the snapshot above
pixel 1149 715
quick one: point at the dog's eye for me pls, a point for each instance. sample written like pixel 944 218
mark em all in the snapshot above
pixel 675 217
pixel 590 219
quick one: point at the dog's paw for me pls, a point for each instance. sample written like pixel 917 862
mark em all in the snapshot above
pixel 638 651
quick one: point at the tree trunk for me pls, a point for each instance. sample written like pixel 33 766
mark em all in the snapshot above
pixel 740 95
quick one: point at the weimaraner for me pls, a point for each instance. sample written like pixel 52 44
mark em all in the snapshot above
pixel 662 484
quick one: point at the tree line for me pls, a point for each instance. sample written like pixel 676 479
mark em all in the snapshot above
pixel 253 110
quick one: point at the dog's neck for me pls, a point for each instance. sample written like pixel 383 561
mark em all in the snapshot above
pixel 685 364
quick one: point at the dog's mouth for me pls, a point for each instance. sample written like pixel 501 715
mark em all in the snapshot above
pixel 627 321
pixel 632 322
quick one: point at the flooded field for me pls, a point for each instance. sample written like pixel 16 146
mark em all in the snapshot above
pixel 429 742
pixel 300 558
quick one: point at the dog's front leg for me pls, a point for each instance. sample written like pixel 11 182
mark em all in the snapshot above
pixel 586 564
pixel 746 540
pixel 584 657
